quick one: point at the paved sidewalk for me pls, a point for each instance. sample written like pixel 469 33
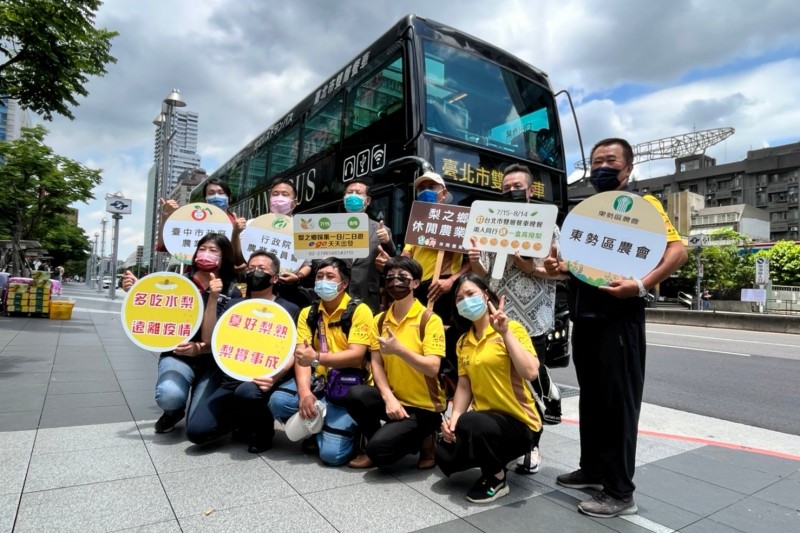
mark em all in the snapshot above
pixel 78 453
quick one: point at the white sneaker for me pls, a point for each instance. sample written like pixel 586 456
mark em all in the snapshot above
pixel 529 463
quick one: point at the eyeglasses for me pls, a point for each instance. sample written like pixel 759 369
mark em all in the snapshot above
pixel 263 269
pixel 402 279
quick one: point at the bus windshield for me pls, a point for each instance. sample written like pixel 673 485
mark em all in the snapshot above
pixel 476 101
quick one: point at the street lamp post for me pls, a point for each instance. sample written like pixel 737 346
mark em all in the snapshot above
pixel 101 268
pixel 164 121
pixel 94 255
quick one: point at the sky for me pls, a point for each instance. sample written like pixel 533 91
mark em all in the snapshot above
pixel 635 69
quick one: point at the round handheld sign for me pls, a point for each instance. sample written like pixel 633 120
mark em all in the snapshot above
pixel 253 339
pixel 188 224
pixel 273 233
pixel 613 235
pixel 161 311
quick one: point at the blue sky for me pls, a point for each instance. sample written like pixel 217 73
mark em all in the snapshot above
pixel 640 70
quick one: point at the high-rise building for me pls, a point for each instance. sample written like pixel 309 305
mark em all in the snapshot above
pixel 12 119
pixel 175 152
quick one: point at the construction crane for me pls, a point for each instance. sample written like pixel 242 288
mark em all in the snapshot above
pixel 671 147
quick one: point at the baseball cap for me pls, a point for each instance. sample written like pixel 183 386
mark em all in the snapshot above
pixel 298 428
pixel 429 176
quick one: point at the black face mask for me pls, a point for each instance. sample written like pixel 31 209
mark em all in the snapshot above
pixel 398 288
pixel 514 195
pixel 604 179
pixel 258 281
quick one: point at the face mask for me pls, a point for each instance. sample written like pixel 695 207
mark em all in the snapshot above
pixel 515 195
pixel 354 203
pixel 219 200
pixel 258 281
pixel 327 290
pixel 604 179
pixel 280 204
pixel 427 196
pixel 472 307
pixel 206 262
pixel 398 288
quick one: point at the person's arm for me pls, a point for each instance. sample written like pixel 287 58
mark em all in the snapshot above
pixel 474 255
pixel 674 257
pixel 445 285
pixel 461 401
pixel 210 312
pixel 385 239
pixel 297 277
pixel 394 409
pixel 522 356
pixel 430 360
pixel 167 208
pixel 238 258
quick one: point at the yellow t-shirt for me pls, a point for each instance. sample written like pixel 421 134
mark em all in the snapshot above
pixel 409 385
pixel 672 233
pixel 426 257
pixel 360 329
pixel 496 385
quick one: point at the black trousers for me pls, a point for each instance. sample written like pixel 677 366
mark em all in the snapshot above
pixel 609 359
pixel 388 443
pixel 484 439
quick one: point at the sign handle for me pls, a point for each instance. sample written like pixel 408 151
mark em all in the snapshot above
pixel 499 265
pixel 439 261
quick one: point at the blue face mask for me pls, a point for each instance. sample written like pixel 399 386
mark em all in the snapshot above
pixel 427 196
pixel 219 200
pixel 354 203
pixel 604 179
pixel 327 290
pixel 472 307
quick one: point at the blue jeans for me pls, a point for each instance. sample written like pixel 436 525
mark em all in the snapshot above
pixel 178 376
pixel 337 439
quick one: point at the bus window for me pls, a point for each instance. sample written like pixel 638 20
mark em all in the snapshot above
pixel 234 179
pixel 256 170
pixel 376 97
pixel 323 129
pixel 476 101
pixel 283 155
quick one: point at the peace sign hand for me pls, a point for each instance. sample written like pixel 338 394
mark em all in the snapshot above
pixel 497 316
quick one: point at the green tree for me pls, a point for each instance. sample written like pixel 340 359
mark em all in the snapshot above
pixel 36 188
pixel 784 263
pixel 48 50
pixel 728 265
pixel 64 241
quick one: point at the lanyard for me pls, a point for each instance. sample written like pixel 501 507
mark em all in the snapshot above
pixel 323 341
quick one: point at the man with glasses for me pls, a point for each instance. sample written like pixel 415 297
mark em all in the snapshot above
pixel 247 410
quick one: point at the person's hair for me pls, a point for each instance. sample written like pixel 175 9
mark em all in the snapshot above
pixel 215 181
pixel 338 264
pixel 516 167
pixel 404 263
pixel 358 180
pixel 462 323
pixel 276 263
pixel 285 181
pixel 627 150
pixel 226 260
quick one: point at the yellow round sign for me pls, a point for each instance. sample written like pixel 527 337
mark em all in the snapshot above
pixel 161 311
pixel 253 339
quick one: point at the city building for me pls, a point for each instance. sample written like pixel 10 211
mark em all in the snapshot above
pixel 741 218
pixel 187 181
pixel 767 179
pixel 12 119
pixel 175 152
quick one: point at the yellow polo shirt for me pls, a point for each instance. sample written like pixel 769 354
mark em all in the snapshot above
pixel 426 257
pixel 496 385
pixel 409 385
pixel 360 329
pixel 672 233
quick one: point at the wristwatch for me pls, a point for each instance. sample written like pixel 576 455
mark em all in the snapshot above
pixel 315 362
pixel 642 290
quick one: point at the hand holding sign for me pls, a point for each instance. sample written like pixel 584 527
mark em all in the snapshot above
pixel 621 288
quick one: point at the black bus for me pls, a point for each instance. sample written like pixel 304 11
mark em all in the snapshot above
pixel 422 90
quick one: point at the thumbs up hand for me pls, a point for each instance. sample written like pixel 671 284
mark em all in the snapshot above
pixel 552 265
pixel 383 233
pixel 214 286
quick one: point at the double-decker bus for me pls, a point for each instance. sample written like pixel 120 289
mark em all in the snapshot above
pixel 422 91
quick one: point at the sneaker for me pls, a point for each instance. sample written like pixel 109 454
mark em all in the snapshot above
pixel 578 480
pixel 260 442
pixel 167 423
pixel 529 463
pixel 603 505
pixel 488 489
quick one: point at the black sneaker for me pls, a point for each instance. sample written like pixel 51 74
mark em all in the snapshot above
pixel 488 489
pixel 260 442
pixel 167 423
pixel 604 505
pixel 578 480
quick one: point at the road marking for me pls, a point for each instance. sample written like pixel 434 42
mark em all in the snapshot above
pixel 86 310
pixel 697 349
pixel 724 338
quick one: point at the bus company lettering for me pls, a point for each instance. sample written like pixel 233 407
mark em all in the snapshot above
pixel 275 128
pixel 335 82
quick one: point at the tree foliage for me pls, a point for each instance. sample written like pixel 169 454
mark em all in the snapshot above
pixel 49 49
pixel 784 263
pixel 64 241
pixel 728 265
pixel 36 188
